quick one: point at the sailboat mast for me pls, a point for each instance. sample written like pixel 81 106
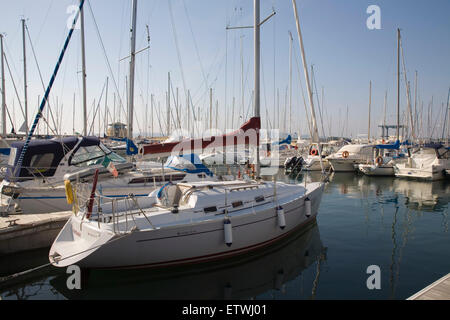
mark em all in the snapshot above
pixel 168 105
pixel 132 64
pixel 25 75
pixel 257 87
pixel 370 104
pixel 83 71
pixel 385 106
pixel 290 82
pixel 308 84
pixel 398 84
pixel 3 89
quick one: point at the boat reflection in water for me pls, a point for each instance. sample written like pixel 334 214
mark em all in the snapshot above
pixel 424 195
pixel 238 278
pixel 418 195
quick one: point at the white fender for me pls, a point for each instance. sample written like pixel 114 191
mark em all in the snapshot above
pixel 281 218
pixel 228 230
pixel 307 207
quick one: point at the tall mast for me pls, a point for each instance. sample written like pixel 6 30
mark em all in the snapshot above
pixel 168 105
pixel 83 71
pixel 151 114
pixel 385 106
pixel 25 76
pixel 210 108
pixel 290 82
pixel 370 102
pixel 308 84
pixel 3 89
pixel 132 63
pixel 415 105
pixel 257 67
pixel 398 84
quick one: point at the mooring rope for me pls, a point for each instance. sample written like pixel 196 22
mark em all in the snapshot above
pixel 22 273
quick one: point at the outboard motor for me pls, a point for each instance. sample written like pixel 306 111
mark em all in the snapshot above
pixel 297 166
pixel 289 163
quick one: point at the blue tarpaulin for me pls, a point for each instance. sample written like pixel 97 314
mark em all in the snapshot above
pixel 288 140
pixel 394 146
pixel 189 163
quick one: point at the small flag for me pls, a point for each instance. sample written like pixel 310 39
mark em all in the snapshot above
pixel 107 163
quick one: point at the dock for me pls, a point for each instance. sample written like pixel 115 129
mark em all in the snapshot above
pixel 438 290
pixel 21 232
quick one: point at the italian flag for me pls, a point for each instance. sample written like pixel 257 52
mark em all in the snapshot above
pixel 107 163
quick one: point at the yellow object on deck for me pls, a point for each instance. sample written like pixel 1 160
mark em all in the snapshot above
pixel 69 191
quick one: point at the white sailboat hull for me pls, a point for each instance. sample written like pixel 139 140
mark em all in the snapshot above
pixel 375 170
pixel 53 199
pixel 313 164
pixel 186 242
pixel 343 165
pixel 47 200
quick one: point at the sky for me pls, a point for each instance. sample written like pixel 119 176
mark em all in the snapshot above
pixel 188 38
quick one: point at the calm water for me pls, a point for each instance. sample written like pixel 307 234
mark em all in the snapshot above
pixel 400 225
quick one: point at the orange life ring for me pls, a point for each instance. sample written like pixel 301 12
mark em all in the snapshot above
pixel 379 160
pixel 345 154
pixel 314 152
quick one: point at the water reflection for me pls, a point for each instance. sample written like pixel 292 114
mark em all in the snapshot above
pixel 400 225
pixel 241 278
pixel 402 201
pixel 419 195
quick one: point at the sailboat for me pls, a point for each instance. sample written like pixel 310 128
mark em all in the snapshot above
pixel 39 171
pixel 187 222
pixel 37 185
pixel 385 158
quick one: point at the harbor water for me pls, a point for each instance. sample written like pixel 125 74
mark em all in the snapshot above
pixel 401 226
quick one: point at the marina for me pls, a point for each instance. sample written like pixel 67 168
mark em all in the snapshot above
pixel 179 183
pixel 400 226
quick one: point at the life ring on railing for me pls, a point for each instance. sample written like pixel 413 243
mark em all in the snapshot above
pixel 314 152
pixel 69 191
pixel 379 160
pixel 345 154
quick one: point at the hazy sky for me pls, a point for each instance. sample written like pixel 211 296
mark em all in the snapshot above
pixel 346 55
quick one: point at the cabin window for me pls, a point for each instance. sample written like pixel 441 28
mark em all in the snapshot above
pixel 237 204
pixel 210 209
pixel 41 162
pixel 259 198
pixel 157 179
pixel 87 156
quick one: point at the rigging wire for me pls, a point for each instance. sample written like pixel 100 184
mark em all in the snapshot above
pixel 180 62
pixel 40 76
pixel 106 57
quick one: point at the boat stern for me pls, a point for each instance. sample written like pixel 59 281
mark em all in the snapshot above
pixel 76 241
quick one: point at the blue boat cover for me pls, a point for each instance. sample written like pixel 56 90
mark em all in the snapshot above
pixel 57 147
pixel 433 145
pixel 288 140
pixel 5 151
pixel 394 146
pixel 189 163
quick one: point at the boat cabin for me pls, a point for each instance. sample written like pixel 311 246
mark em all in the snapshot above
pixel 44 157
